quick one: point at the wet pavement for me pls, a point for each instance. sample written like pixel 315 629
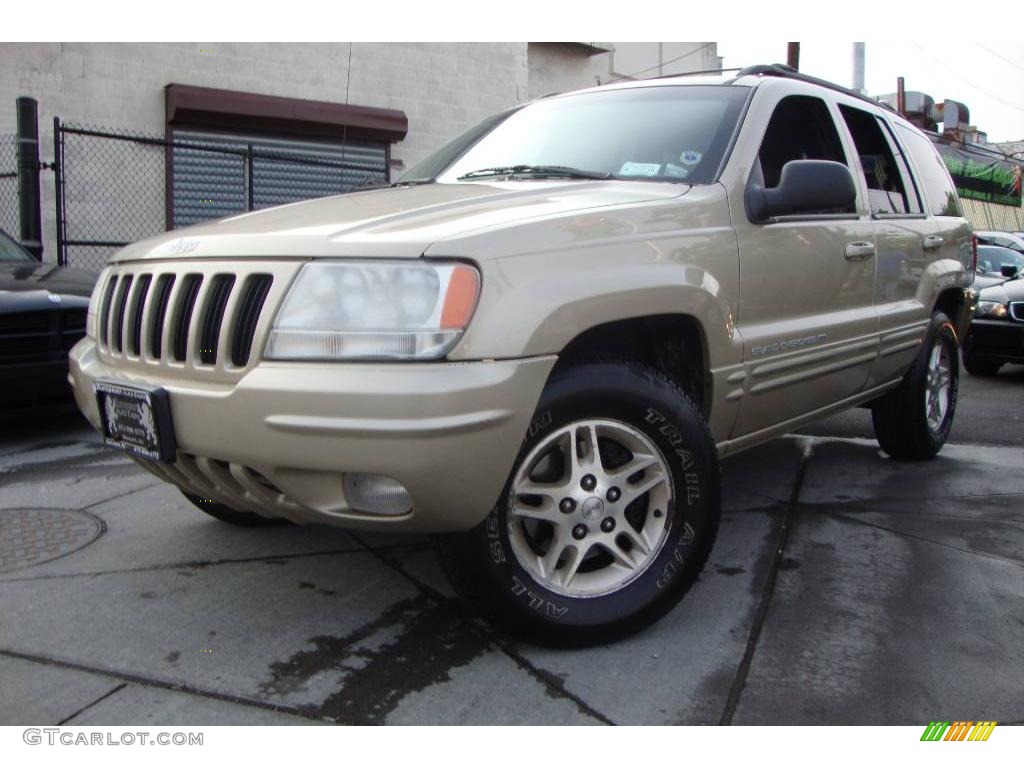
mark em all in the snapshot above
pixel 844 588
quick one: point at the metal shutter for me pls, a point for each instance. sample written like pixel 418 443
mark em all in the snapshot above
pixel 210 172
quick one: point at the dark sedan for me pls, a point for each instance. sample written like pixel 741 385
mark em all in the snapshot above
pixel 42 315
pixel 997 330
pixel 992 259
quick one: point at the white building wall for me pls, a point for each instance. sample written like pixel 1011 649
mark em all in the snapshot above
pixel 643 60
pixel 443 88
pixel 559 67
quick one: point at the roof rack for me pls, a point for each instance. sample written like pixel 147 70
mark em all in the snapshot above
pixel 697 72
pixel 784 70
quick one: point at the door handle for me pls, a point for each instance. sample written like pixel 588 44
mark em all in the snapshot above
pixel 859 251
pixel 932 242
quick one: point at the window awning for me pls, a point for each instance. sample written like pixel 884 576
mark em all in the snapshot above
pixel 194 106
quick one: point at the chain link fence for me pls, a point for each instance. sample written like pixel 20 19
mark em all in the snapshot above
pixel 116 187
pixel 9 215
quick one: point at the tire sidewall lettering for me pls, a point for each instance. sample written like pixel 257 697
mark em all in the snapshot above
pixel 671 563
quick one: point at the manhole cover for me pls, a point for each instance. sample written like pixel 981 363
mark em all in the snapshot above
pixel 32 536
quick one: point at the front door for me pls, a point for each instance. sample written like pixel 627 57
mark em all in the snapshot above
pixel 806 317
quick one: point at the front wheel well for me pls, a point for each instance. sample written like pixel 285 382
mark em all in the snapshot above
pixel 672 344
pixel 951 302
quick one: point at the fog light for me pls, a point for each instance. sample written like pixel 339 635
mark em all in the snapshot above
pixel 376 494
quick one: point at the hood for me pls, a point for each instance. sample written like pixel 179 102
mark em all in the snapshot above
pixel 985 280
pixel 27 285
pixel 1004 290
pixel 398 222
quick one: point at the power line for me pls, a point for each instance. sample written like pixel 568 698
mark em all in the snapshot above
pixel 1000 56
pixel 949 69
pixel 661 64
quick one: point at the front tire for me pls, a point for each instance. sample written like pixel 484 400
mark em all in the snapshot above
pixel 980 367
pixel 607 518
pixel 913 421
pixel 237 517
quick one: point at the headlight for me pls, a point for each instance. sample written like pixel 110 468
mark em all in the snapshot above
pixel 992 309
pixel 367 311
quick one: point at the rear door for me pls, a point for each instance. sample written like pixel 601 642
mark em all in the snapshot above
pixel 907 239
pixel 941 203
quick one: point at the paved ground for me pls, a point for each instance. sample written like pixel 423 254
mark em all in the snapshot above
pixel 844 588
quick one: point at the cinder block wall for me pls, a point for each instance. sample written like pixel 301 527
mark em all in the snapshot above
pixel 442 87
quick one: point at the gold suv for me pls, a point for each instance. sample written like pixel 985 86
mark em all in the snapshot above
pixel 541 339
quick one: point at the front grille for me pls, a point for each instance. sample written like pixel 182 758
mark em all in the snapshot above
pixel 118 320
pixel 183 316
pixel 40 336
pixel 24 322
pixel 254 295
pixel 213 317
pixel 141 291
pixel 72 329
pixel 1017 311
pixel 108 297
pixel 158 312
pixel 188 315
pixel 74 320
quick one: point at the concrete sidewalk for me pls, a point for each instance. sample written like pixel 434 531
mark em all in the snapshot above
pixel 844 588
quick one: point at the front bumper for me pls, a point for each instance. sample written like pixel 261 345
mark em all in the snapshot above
pixel 997 340
pixel 34 385
pixel 279 440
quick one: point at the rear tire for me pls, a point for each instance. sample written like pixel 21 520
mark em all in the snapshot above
pixel 233 516
pixel 980 367
pixel 607 518
pixel 913 421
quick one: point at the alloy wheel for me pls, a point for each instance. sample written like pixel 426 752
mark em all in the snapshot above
pixel 590 507
pixel 937 385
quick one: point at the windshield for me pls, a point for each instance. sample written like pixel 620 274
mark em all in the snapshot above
pixel 427 170
pixel 11 251
pixel 661 133
pixel 991 258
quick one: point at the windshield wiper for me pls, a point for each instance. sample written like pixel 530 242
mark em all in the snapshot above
pixel 561 171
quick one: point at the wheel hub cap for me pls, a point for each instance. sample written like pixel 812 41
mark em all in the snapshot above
pixel 592 509
pixel 616 520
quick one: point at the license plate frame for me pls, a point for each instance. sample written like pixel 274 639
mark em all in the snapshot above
pixel 137 419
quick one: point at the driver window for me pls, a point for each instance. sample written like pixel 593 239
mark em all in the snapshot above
pixel 801 128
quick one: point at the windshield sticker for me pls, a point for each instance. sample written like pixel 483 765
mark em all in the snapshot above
pixel 677 171
pixel 691 157
pixel 639 169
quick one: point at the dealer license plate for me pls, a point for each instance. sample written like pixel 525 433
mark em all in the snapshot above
pixel 137 420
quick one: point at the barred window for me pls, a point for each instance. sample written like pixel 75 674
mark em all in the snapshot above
pixel 215 174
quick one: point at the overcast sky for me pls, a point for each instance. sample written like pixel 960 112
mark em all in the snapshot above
pixel 987 77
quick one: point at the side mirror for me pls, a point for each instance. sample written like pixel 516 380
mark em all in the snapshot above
pixel 805 187
pixel 1009 270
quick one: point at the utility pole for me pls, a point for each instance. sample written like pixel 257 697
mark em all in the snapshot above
pixel 29 215
pixel 793 55
pixel 858 67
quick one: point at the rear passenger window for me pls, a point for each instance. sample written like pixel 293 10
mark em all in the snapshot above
pixel 936 184
pixel 801 128
pixel 890 186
